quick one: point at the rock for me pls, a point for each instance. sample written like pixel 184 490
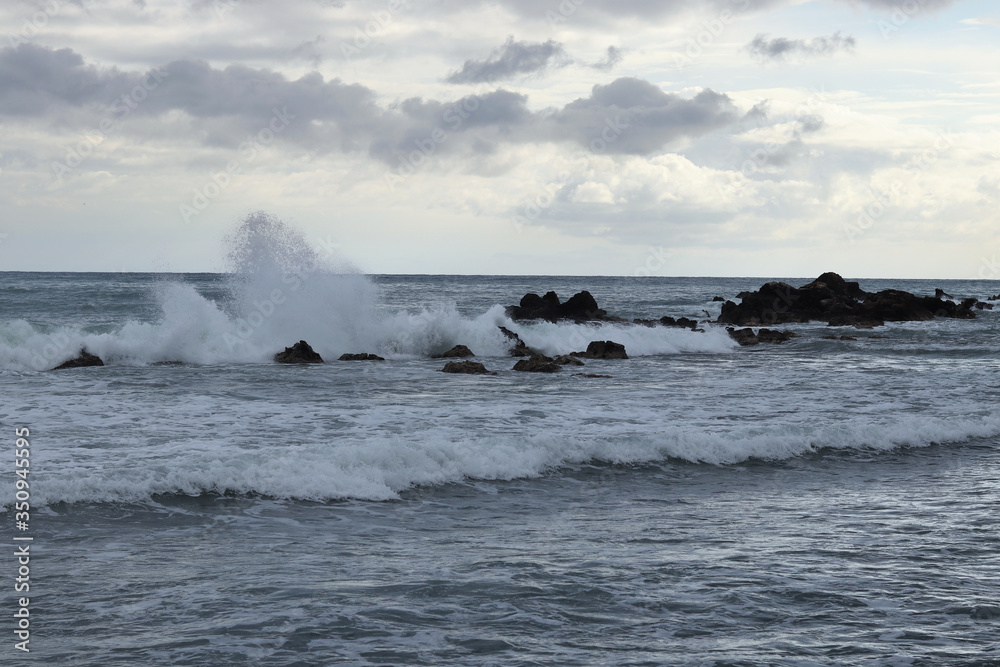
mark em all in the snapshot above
pixel 832 299
pixel 602 349
pixel 566 360
pixel 941 294
pixel 466 367
pixel 518 349
pixel 717 298
pixel 994 298
pixel 300 353
pixel 683 322
pixel 85 359
pixel 363 356
pixel 581 307
pixel 537 363
pixel 457 352
pixel 982 305
pixel 746 337
pixel 590 375
pixel 839 338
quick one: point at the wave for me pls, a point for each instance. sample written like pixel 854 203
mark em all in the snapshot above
pixel 281 290
pixel 380 469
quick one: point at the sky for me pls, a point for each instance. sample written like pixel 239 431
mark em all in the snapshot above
pixel 569 137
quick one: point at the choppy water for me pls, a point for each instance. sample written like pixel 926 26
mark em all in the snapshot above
pixel 816 502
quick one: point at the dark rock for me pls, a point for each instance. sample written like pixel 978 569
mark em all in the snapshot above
pixel 941 294
pixel 567 360
pixel 518 348
pixel 982 305
pixel 994 298
pixel 747 337
pixel 85 359
pixel 603 349
pixel 300 353
pixel 589 375
pixel 682 322
pixel 537 363
pixel 717 298
pixel 831 299
pixel 363 356
pixel 839 338
pixel 581 307
pixel 457 352
pixel 466 367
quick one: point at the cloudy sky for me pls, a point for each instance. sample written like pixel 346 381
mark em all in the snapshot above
pixel 619 137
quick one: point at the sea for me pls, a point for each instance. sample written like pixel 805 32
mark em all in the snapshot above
pixel 815 502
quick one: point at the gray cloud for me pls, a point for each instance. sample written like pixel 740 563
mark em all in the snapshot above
pixel 509 60
pixel 781 48
pixel 611 59
pixel 626 116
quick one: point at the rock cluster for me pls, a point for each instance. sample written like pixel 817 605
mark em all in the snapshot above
pixel 832 299
pixel 581 307
pixel 746 337
pixel 362 356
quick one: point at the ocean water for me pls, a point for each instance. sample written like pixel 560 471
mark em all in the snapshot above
pixel 818 502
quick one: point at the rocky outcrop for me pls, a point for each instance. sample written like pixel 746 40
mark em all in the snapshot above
pixel 537 363
pixel 836 301
pixel 603 349
pixel 717 298
pixel 517 346
pixel 85 359
pixel 747 337
pixel 581 307
pixel 363 356
pixel 457 352
pixel 567 360
pixel 300 353
pixel 466 367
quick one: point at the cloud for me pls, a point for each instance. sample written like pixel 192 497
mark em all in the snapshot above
pixel 781 48
pixel 509 60
pixel 611 59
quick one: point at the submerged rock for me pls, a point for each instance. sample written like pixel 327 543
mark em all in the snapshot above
pixel 590 375
pixel 300 353
pixel 85 359
pixel 832 299
pixel 537 363
pixel 603 349
pixel 567 360
pixel 457 352
pixel 747 337
pixel 363 356
pixel 466 367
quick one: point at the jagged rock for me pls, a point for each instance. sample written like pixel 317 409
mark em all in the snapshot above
pixel 941 294
pixel 994 298
pixel 466 367
pixel 717 298
pixel 363 356
pixel 537 363
pixel 982 305
pixel 300 353
pixel 85 359
pixel 518 348
pixel 682 322
pixel 746 337
pixel 603 349
pixel 566 360
pixel 581 307
pixel 457 352
pixel 832 299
